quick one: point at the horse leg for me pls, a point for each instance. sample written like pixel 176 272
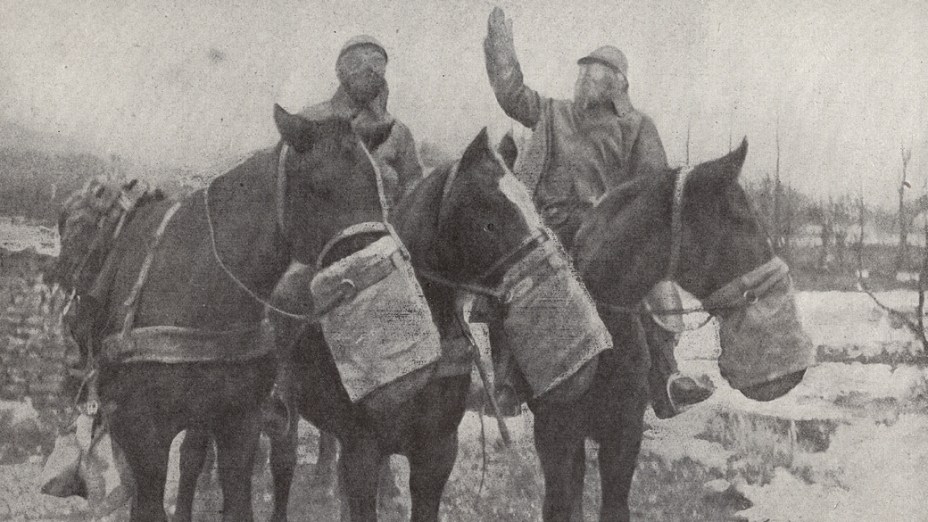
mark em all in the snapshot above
pixel 618 457
pixel 193 453
pixel 147 449
pixel 562 453
pixel 430 466
pixel 358 482
pixel 324 473
pixel 236 444
pixel 283 464
pixel 389 495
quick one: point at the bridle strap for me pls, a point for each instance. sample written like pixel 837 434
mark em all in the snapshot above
pixel 445 192
pixel 538 238
pixel 750 287
pixel 282 189
pixel 676 222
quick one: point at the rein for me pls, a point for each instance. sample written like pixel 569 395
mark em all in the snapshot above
pixel 281 215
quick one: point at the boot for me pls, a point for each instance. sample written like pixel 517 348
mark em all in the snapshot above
pixel 682 392
pixel 510 405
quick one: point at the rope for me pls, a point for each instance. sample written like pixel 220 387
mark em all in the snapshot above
pixel 236 280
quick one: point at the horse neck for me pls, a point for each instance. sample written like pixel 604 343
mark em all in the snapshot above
pixel 243 218
pixel 416 223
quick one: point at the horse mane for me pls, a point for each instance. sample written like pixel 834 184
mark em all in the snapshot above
pixel 416 217
pixel 600 224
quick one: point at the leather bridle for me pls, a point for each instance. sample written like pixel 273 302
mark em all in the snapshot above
pixel 482 285
pixel 742 291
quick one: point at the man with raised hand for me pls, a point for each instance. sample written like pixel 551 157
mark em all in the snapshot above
pixel 579 150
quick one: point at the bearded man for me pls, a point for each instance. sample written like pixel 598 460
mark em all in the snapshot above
pixel 362 98
pixel 579 150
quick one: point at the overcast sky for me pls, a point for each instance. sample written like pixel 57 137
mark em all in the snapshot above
pixel 191 83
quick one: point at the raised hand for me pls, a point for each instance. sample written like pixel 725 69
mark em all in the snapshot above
pixel 499 34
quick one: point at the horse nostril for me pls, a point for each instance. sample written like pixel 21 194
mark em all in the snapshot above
pixel 490 227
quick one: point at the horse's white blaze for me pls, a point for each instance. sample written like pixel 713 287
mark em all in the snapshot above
pixel 515 191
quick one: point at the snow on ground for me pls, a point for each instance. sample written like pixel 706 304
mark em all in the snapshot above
pixel 870 472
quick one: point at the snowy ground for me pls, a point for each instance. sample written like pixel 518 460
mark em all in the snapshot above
pixel 849 443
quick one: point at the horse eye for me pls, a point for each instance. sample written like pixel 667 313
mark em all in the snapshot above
pixel 490 227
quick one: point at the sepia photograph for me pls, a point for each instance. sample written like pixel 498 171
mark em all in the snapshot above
pixel 463 260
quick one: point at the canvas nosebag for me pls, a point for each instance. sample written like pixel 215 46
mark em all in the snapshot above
pixel 377 323
pixel 86 462
pixel 551 321
pixel 761 338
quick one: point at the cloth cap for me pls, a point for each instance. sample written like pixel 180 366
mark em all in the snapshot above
pixel 360 40
pixel 609 56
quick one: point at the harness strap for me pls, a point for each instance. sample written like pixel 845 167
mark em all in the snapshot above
pixel 436 277
pixel 131 303
pixel 282 188
pixel 369 227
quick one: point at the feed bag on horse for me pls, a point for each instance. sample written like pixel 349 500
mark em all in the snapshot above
pixel 551 322
pixel 768 323
pixel 376 321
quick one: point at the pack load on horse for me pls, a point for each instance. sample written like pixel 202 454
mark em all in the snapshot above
pixel 85 461
pixel 177 338
pixel 90 222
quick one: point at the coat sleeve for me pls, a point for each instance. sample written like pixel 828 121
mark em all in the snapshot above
pixel 648 152
pixel 517 100
pixel 408 167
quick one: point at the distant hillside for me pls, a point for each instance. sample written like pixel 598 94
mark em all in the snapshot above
pixel 17 137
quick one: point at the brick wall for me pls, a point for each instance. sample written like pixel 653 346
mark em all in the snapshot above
pixel 33 350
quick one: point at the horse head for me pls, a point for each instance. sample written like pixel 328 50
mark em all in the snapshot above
pixel 330 181
pixel 719 252
pixel 485 215
pixel 484 236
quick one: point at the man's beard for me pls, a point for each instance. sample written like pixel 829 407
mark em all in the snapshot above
pixel 589 94
pixel 364 87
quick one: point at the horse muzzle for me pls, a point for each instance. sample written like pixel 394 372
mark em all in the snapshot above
pixel 760 334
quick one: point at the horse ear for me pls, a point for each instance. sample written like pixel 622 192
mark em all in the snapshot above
pixel 478 148
pixel 294 129
pixel 507 150
pixel 725 170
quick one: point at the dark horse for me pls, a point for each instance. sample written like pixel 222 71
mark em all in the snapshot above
pixel 624 249
pixel 187 354
pixel 464 225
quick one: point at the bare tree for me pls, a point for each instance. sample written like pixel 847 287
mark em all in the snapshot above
pixel 903 220
pixel 777 195
pixel 916 323
pixel 688 125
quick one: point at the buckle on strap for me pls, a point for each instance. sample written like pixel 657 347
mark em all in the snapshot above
pixel 750 287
